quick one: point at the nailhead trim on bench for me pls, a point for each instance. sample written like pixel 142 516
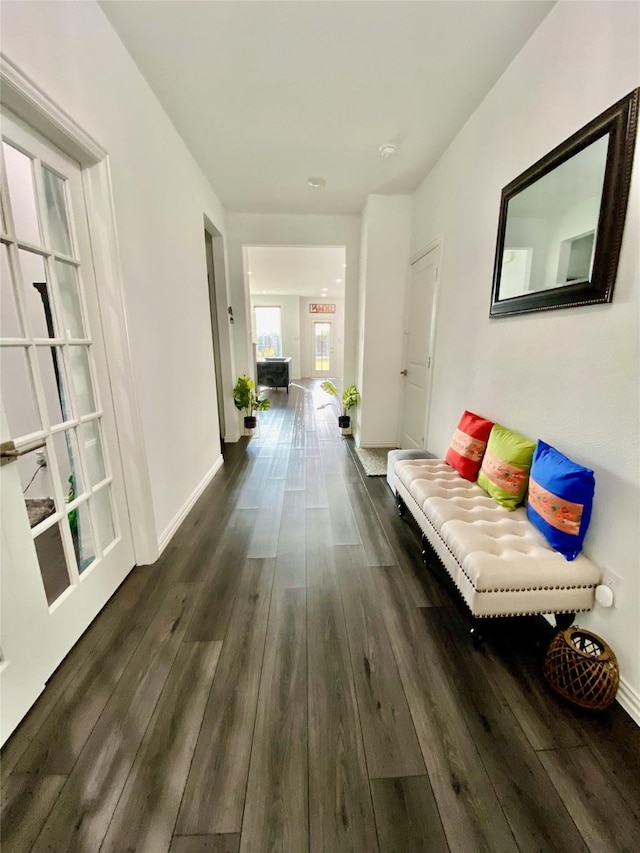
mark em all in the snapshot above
pixel 420 515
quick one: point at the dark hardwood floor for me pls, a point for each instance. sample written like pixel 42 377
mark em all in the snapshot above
pixel 288 677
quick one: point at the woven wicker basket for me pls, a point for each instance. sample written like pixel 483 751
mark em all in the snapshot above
pixel 581 667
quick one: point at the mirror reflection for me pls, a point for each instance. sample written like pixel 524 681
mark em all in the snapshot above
pixel 561 221
pixel 551 227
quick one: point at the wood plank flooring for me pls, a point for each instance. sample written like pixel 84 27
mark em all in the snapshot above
pixel 288 677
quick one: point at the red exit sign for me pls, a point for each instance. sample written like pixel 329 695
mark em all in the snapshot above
pixel 322 308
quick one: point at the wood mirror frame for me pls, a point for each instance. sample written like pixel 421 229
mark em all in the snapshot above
pixel 620 122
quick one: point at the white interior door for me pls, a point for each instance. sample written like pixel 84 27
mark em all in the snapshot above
pixel 322 343
pixel 419 330
pixel 66 540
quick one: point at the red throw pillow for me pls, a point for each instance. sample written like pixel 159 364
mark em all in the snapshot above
pixel 468 445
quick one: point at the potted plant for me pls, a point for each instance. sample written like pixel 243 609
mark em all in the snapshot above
pixel 245 399
pixel 350 398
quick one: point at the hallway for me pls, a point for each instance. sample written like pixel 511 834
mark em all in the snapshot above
pixel 288 677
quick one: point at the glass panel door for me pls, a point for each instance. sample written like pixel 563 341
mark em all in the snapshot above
pixel 322 348
pixel 57 410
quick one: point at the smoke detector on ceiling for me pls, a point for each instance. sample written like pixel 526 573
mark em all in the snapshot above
pixel 316 183
pixel 388 149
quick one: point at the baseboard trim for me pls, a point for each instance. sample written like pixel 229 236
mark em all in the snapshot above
pixel 372 445
pixel 188 505
pixel 629 699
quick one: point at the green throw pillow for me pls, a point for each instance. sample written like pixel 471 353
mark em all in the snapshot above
pixel 506 465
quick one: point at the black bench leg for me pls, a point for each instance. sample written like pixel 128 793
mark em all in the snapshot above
pixel 476 633
pixel 564 620
pixel 402 507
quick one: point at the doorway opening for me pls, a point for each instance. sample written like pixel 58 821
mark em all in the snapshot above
pixel 301 291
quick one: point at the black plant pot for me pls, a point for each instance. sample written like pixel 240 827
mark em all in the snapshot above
pixel 344 421
pixel 250 422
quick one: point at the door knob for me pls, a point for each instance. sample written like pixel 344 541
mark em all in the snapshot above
pixel 8 452
pixel 403 372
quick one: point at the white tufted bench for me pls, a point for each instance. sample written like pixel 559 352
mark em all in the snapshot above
pixel 501 563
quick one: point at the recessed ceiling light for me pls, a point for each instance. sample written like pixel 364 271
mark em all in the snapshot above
pixel 249 273
pixel 388 149
pixel 316 183
pixel 338 281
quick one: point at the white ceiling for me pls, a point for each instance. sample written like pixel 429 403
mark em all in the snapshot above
pixel 269 93
pixel 299 270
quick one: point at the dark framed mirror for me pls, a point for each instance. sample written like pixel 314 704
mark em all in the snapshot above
pixel 561 221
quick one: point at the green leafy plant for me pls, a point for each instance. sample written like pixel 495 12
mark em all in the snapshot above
pixel 350 395
pixel 245 398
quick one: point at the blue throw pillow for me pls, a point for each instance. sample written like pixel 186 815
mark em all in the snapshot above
pixel 560 499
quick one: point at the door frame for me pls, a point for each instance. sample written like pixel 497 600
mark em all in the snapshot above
pixel 215 331
pixel 31 104
pixel 437 243
pixel 229 428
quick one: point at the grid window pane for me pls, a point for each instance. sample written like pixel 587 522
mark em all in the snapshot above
pixel 56 397
pixel 36 295
pixel 80 524
pixel 22 194
pixel 67 277
pixel 10 326
pixel 104 517
pixel 69 467
pixel 81 380
pixel 35 478
pixel 92 444
pixel 18 396
pixel 57 216
pixel 53 565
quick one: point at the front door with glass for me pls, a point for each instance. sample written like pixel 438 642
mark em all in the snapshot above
pixel 322 348
pixel 66 540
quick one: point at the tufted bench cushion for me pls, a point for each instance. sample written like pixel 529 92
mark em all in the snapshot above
pixel 499 561
pixel 394 456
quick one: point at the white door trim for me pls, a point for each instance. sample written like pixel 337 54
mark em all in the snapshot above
pixel 438 243
pixel 30 103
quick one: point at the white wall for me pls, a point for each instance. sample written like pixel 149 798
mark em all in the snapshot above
pixel 386 228
pixel 571 376
pixel 71 51
pixel 292 230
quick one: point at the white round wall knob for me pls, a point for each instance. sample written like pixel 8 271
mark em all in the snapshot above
pixel 604 595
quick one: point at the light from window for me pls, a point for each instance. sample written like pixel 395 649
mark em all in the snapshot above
pixel 268 331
